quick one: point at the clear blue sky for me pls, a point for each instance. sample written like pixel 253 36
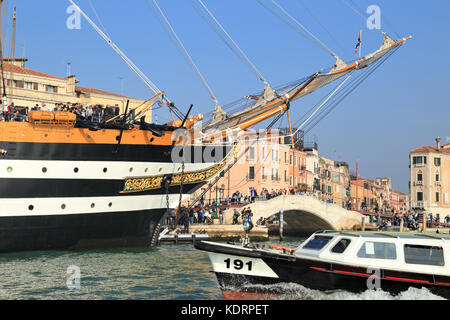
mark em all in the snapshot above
pixel 403 105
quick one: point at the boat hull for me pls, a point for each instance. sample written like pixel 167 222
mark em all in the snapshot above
pixel 78 231
pixel 67 188
pixel 271 275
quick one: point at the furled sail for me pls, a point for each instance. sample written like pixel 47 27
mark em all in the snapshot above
pixel 271 102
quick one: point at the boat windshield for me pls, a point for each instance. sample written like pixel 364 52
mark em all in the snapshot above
pixel 317 243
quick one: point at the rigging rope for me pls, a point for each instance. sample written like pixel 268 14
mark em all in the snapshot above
pixel 129 63
pixel 211 184
pixel 358 12
pixel 173 35
pixel 326 100
pixel 345 91
pixel 147 82
pixel 352 86
pixel 323 27
pixel 385 19
pixel 98 18
pixel 237 50
pixel 297 26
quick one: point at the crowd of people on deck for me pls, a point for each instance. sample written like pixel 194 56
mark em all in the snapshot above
pixel 93 113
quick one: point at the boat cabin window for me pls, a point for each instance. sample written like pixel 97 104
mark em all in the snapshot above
pixel 377 250
pixel 341 246
pixel 426 255
pixel 317 243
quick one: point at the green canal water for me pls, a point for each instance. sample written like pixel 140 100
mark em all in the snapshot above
pixel 168 272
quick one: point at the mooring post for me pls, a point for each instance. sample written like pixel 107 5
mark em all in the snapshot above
pixel 281 225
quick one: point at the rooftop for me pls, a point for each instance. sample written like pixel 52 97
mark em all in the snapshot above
pixel 8 67
pixel 13 68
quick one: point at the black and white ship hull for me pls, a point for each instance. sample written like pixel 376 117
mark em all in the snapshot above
pixel 78 195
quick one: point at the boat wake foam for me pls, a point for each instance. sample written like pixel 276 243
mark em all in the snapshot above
pixel 293 291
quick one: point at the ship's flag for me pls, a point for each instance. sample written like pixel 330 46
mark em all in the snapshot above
pixel 358 44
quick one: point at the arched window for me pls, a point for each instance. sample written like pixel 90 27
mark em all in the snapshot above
pixel 419 175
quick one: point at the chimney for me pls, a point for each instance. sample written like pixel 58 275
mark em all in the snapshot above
pixel 438 143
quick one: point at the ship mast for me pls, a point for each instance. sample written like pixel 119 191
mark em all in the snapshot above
pixel 13 34
pixel 4 100
pixel 130 64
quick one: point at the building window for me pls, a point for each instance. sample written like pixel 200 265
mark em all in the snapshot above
pixel 290 180
pixel 437 196
pixel 28 85
pixel 419 176
pixel 51 89
pixel 251 153
pixel 285 157
pixel 290 159
pixel 437 176
pixel 285 176
pixel 437 162
pixel 419 160
pixel 419 196
pixel 274 174
pixel 251 173
pixel 274 155
pixel 18 84
pixel 263 173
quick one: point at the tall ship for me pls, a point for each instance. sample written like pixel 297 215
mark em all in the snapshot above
pixel 67 182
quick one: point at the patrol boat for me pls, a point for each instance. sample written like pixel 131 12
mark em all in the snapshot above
pixel 333 260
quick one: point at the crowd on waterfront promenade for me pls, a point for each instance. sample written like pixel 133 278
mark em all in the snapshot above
pixel 411 221
pixel 94 113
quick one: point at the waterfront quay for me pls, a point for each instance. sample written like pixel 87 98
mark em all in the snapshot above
pixel 300 214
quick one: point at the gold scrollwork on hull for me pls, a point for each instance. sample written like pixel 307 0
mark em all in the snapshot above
pixel 139 184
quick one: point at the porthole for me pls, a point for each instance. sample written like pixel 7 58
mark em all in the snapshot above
pixel 146 170
pixel 9 169
pixel 105 170
pixel 75 170
pixel 44 169
pixel 160 169
pixel 30 207
pixel 45 135
pixel 131 169
pixel 152 139
pixel 110 204
pixel 92 205
pixel 63 206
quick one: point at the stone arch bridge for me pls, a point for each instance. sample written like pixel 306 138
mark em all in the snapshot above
pixel 304 215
